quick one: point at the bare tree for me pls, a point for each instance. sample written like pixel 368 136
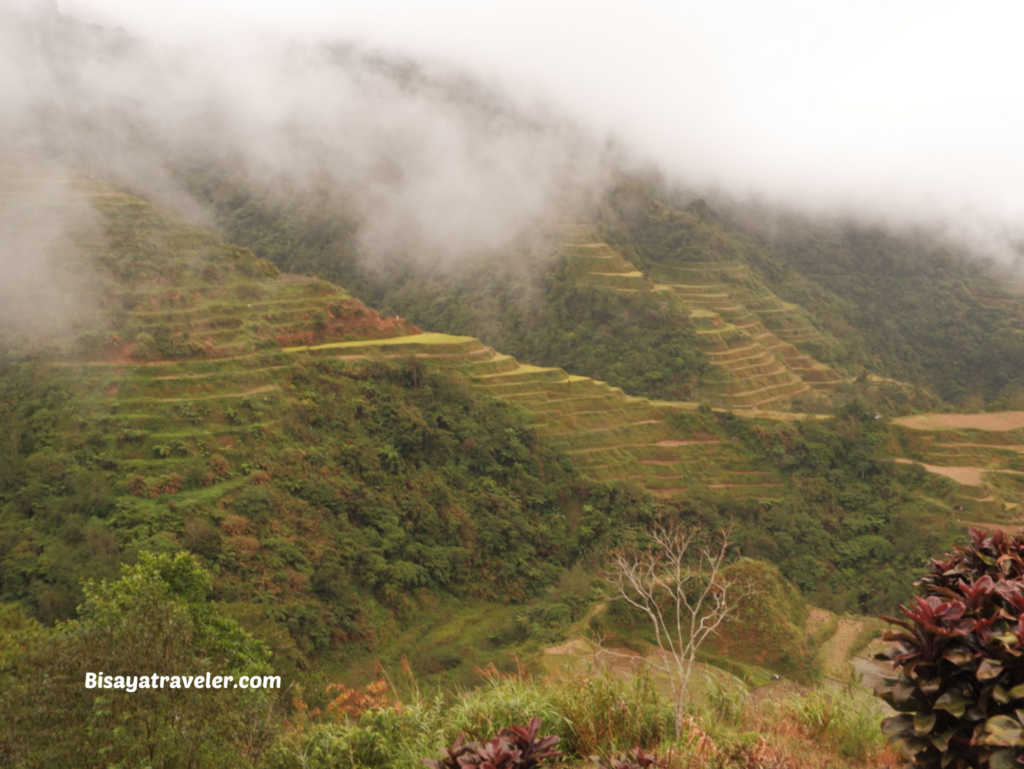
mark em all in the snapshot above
pixel 680 585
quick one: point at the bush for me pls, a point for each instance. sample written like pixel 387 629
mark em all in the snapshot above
pixel 515 747
pixel 961 660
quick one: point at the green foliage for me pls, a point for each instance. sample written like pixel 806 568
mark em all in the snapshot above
pixel 377 480
pixel 904 305
pixel 959 657
pixel 767 626
pixel 852 531
pixel 538 310
pixel 592 714
pixel 155 620
pixel 605 714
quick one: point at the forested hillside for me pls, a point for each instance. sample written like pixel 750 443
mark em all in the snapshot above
pixel 900 306
pixel 905 305
pixel 324 492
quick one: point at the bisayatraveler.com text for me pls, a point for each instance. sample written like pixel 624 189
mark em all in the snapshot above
pixel 158 681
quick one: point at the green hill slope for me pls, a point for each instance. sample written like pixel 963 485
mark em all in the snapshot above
pixel 324 493
pixel 338 470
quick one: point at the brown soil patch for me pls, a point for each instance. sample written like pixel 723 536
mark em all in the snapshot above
pixel 620 660
pixel 571 647
pixel 999 421
pixel 817 619
pixel 291 277
pixel 968 476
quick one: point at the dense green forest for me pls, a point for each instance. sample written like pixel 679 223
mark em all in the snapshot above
pixel 525 302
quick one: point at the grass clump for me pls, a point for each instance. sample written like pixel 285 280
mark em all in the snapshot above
pixel 846 719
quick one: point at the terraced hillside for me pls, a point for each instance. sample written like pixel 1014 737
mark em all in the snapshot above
pixel 192 352
pixel 182 411
pixel 188 356
pixel 748 333
pixel 668 448
pixel 983 454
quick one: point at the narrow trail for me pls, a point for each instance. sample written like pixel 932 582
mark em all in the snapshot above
pixel 834 655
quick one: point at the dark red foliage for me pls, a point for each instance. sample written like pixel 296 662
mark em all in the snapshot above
pixel 517 747
pixel 960 688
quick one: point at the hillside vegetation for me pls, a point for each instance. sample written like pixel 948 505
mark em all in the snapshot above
pixel 324 493
pixel 357 488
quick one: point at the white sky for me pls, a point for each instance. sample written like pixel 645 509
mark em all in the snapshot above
pixel 901 105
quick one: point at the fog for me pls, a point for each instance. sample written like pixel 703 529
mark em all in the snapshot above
pixel 428 161
pixel 45 231
pixel 453 126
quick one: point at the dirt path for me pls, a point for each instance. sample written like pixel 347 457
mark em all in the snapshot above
pixel 834 654
pixel 817 619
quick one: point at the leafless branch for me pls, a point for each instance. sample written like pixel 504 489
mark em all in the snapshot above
pixel 679 585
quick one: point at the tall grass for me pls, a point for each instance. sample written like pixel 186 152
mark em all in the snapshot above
pixel 595 714
pixel 604 714
pixel 846 718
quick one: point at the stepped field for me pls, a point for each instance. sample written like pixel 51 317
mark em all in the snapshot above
pixel 186 358
pixel 668 448
pixel 749 335
pixel 982 454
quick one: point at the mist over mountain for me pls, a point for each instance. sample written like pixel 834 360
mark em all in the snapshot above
pixel 429 161
pixel 893 112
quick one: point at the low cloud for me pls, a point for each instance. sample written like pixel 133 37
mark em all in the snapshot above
pixel 430 162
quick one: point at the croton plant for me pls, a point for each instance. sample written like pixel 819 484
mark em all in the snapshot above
pixel 960 687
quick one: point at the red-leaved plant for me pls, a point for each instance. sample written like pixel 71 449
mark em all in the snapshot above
pixel 960 687
pixel 516 747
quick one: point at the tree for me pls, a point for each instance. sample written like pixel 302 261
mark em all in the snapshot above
pixel 679 585
pixel 155 619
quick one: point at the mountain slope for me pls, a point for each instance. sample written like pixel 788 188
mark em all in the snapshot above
pixel 324 493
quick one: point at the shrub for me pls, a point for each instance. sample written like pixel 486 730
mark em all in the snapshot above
pixel 961 660
pixel 504 700
pixel 515 747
